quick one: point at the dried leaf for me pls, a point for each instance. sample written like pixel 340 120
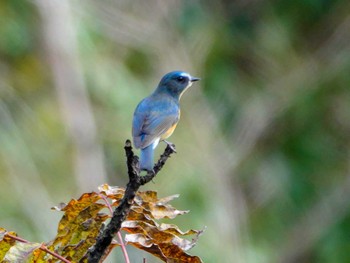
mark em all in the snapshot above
pixel 137 213
pixel 145 233
pixel 167 252
pixel 5 242
pixel 21 252
pixel 167 199
pixel 157 208
pixel 14 251
pixel 114 192
pixel 175 254
pixel 80 225
pixel 159 234
pixel 149 230
pixel 170 228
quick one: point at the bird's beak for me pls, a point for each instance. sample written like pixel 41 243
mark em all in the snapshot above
pixel 193 79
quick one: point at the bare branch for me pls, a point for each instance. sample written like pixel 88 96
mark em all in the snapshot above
pixel 120 213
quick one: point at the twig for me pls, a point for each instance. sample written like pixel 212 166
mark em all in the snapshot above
pixel 121 241
pixel 135 181
pixel 42 247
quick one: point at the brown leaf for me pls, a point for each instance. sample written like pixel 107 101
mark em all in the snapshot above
pixel 167 252
pixel 160 234
pixel 167 199
pixel 165 240
pixel 78 227
pixel 176 255
pixel 157 208
pixel 83 218
pixel 148 230
pixel 170 228
pixel 114 192
pixel 138 213
pixel 146 196
pixel 153 238
pixel 159 211
pixel 140 241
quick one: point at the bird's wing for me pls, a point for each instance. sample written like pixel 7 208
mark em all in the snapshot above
pixel 150 125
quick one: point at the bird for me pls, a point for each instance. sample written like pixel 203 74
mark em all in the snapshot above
pixel 156 116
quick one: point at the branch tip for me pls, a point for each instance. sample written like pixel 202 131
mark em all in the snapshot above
pixel 135 181
pixel 128 143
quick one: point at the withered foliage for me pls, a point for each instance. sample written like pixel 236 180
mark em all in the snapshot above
pixel 82 221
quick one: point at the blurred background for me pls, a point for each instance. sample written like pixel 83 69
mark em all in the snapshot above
pixel 263 141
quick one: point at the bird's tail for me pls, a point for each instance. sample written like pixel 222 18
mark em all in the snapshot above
pixel 146 158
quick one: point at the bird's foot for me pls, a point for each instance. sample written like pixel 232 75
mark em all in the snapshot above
pixel 170 145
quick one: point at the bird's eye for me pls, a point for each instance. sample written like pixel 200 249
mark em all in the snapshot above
pixel 180 79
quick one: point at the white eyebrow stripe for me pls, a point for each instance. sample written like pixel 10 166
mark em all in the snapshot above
pixel 184 74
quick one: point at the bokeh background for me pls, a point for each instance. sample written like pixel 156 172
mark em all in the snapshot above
pixel 263 141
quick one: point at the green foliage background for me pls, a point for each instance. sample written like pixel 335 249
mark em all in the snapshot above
pixel 263 142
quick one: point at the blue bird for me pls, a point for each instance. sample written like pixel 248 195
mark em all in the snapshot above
pixel 156 116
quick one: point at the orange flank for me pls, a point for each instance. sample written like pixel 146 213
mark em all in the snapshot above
pixel 169 132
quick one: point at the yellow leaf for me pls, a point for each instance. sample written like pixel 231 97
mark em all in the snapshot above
pixel 78 227
pixel 81 222
pixel 5 242
pixel 12 251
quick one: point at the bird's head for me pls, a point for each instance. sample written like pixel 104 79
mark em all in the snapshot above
pixel 176 83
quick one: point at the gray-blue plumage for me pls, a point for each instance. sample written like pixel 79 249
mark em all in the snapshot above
pixel 157 115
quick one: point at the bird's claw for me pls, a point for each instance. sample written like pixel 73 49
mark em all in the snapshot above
pixel 171 146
